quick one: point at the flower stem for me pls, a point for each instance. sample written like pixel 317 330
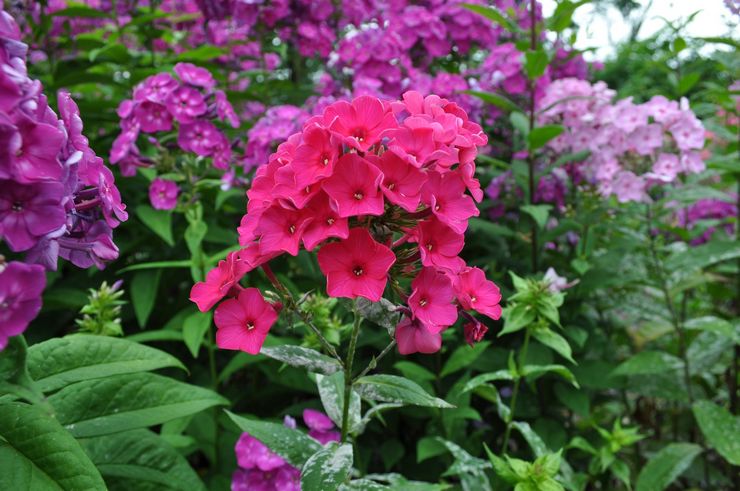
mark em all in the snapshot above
pixel 374 362
pixel 515 394
pixel 530 155
pixel 348 370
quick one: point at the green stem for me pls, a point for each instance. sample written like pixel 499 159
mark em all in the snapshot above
pixel 530 155
pixel 348 370
pixel 515 394
pixel 374 362
pixel 672 310
pixel 212 359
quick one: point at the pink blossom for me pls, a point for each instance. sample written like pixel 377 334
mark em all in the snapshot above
pixel 21 286
pixel 475 292
pixel 243 322
pixel 356 266
pixel 29 211
pixel 219 281
pixel 431 299
pixel 320 426
pixel 195 75
pixel 414 337
pixel 354 187
pixel 163 194
pixel 445 195
pixel 326 222
pixel 360 123
pixel 401 182
pixel 474 331
pixel 439 245
pixel 186 104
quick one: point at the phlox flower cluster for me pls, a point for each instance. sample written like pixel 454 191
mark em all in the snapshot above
pixel 260 469
pixel 632 146
pixel 277 124
pixel 57 198
pixel 187 103
pixel 383 191
pixel 712 215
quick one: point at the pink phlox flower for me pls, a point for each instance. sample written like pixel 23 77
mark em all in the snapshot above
pixel 326 222
pixel 431 299
pixel 445 196
pixel 163 194
pixel 362 122
pixel 21 286
pixel 355 187
pixel 186 104
pixel 402 182
pixel 356 267
pixel 412 336
pixel 219 280
pixel 475 292
pixel 439 245
pixel 281 229
pixel 243 322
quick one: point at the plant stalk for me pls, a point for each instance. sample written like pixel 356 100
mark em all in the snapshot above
pixel 348 370
pixel 530 155
pixel 515 393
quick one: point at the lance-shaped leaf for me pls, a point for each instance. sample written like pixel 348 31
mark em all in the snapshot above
pixel 328 468
pixel 721 429
pixel 126 402
pixel 664 467
pixel 140 460
pixel 58 362
pixel 331 391
pixel 298 356
pixel 293 445
pixel 37 453
pixel 389 388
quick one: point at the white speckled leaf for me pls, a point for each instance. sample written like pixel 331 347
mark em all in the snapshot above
pixel 293 445
pixel 331 391
pixel 390 388
pixel 721 429
pixel 328 468
pixel 298 356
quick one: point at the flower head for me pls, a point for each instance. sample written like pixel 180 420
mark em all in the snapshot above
pixel 163 194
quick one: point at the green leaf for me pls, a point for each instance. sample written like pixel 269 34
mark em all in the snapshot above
pixel 429 447
pixel 81 11
pixel 293 445
pixel 537 370
pixel 714 324
pixel 501 467
pixel 720 428
pixel 383 313
pixel 484 378
pixel 331 391
pixel 414 371
pixel 664 467
pixel 520 122
pixel 194 330
pixel 478 225
pixel 140 460
pixel 495 99
pixel 648 362
pixel 492 13
pixel 563 15
pixel 555 341
pixel 538 212
pixel 59 362
pixel 37 453
pixel 327 468
pixel 298 356
pixel 157 265
pixel 687 82
pixel 535 63
pixel 467 465
pixel 517 317
pixel 144 294
pixel 389 388
pixel 463 357
pixel 540 136
pixel 533 439
pixel 14 374
pixel 703 256
pixel 126 402
pixel 202 53
pixel 158 221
